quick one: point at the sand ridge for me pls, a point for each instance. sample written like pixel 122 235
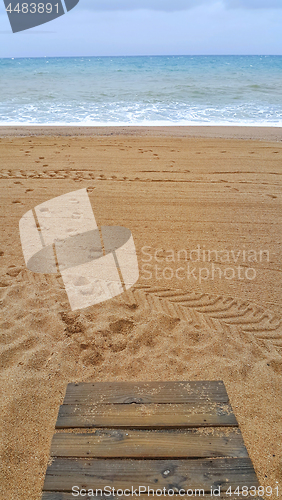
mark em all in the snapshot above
pixel 173 193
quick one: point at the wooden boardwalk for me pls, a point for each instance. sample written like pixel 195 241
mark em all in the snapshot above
pixel 177 436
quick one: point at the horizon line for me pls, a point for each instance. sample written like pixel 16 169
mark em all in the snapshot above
pixel 143 55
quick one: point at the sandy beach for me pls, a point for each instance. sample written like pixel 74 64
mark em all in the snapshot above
pixel 200 202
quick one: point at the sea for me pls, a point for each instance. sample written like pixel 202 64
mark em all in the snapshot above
pixel 149 90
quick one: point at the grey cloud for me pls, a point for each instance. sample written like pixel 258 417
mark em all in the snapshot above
pixel 173 5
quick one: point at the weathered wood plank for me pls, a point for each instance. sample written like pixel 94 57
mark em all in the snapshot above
pixel 146 416
pixel 52 495
pixel 63 474
pixel 111 443
pixel 56 495
pixel 172 458
pixel 145 392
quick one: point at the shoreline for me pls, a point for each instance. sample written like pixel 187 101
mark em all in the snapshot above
pixel 242 132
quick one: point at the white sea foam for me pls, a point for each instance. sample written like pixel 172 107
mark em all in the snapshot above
pixel 142 91
pixel 142 124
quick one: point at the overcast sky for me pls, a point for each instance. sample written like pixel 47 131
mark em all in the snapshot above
pixel 141 27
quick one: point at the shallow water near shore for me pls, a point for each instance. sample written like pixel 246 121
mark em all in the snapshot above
pixel 160 90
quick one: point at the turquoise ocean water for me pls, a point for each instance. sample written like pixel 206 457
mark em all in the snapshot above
pixel 160 90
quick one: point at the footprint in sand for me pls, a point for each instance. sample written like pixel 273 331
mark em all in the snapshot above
pixel 14 271
pixel 15 354
pixel 92 357
pixel 77 215
pixel 123 326
pixel 45 211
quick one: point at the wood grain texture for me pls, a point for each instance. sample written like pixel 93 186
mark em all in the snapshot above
pixel 146 392
pixel 171 435
pixel 146 416
pixel 110 443
pixel 52 495
pixel 63 474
